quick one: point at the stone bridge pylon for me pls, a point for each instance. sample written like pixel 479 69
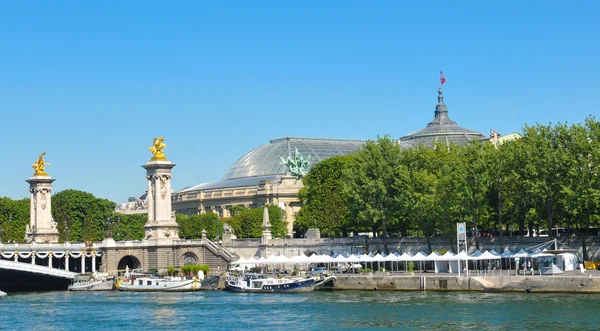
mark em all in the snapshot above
pixel 161 246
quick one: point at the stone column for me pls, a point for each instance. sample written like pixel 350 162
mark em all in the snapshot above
pixel 93 262
pixel 42 228
pixel 67 260
pixel 82 262
pixel 161 227
pixel 50 260
pixel 266 237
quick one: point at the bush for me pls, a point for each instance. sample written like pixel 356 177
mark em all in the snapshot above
pixel 411 267
pixel 365 270
pixel 192 269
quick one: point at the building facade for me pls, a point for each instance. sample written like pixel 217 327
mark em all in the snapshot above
pixel 261 177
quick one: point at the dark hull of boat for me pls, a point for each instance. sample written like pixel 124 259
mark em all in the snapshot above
pixel 295 287
pixel 210 283
pixel 326 283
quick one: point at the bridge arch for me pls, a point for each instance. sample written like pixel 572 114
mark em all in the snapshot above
pixel 189 256
pixel 130 261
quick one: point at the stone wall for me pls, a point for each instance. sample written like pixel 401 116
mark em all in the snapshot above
pixel 435 282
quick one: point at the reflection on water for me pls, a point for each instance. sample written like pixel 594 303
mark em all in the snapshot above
pixel 165 316
pixel 310 311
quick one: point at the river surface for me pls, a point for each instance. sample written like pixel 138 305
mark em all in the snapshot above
pixel 340 310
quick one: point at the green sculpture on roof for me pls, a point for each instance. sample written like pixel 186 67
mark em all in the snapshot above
pixel 296 163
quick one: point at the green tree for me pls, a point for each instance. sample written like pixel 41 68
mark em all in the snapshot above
pixel 548 173
pixel 70 209
pixel 580 192
pixel 248 223
pixel 128 226
pixel 323 199
pixel 369 189
pixel 14 217
pixel 478 182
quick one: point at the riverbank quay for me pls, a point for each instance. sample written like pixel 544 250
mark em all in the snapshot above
pixel 573 282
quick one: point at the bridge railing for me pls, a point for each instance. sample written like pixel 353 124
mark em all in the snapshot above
pixel 46 247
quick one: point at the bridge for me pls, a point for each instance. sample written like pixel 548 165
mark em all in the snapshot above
pixel 32 268
pixel 22 277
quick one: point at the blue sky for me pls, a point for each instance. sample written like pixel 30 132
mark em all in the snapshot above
pixel 92 83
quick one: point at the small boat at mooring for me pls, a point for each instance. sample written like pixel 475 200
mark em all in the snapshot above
pixel 91 283
pixel 2 294
pixel 325 282
pixel 261 283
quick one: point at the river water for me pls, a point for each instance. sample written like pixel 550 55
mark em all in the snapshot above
pixel 339 310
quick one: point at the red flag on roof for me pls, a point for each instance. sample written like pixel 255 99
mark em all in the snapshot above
pixel 442 79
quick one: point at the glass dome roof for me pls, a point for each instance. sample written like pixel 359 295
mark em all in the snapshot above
pixel 441 129
pixel 266 159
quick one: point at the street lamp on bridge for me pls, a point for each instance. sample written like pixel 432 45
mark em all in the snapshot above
pixel 9 228
pixel 109 225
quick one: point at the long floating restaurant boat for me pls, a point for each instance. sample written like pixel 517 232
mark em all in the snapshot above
pixel 261 283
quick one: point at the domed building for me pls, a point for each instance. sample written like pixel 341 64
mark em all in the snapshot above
pixel 441 129
pixel 260 177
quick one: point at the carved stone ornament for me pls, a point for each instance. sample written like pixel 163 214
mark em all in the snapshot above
pixel 163 187
pixel 44 198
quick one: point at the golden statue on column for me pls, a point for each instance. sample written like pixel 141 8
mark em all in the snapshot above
pixel 39 166
pixel 157 149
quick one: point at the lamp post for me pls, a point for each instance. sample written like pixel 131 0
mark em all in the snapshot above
pixel 108 232
pixel 9 228
pixel 500 211
pixel 109 226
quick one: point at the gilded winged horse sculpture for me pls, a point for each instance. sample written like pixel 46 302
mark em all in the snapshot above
pixel 157 149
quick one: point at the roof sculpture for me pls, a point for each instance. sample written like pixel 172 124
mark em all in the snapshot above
pixel 440 129
pixel 266 159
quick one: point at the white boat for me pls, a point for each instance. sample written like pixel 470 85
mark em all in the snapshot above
pixel 2 294
pixel 261 283
pixel 92 282
pixel 151 284
pixel 107 284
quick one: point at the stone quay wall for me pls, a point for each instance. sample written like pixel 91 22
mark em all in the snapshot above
pixel 434 282
pixel 291 247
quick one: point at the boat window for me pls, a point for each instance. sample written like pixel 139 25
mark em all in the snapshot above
pixel 140 282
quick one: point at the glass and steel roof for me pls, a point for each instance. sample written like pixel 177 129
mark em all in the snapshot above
pixel 441 129
pixel 240 182
pixel 266 159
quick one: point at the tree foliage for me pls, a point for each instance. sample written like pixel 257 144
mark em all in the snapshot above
pixel 81 214
pixel 547 179
pixel 323 199
pixel 190 227
pixel 369 188
pixel 248 223
pixel 14 217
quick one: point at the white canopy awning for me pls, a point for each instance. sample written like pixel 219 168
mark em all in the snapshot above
pixel 486 256
pixel 521 253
